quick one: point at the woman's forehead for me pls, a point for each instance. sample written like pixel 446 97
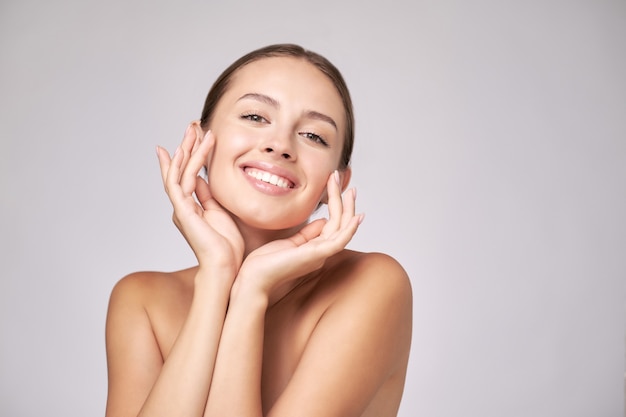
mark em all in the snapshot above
pixel 287 78
pixel 277 71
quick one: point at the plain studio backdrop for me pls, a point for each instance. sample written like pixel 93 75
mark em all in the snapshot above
pixel 490 160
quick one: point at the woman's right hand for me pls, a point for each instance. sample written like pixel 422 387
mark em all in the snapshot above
pixel 208 228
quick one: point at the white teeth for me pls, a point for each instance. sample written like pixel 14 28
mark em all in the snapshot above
pixel 269 178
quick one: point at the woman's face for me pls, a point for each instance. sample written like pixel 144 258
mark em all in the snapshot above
pixel 278 137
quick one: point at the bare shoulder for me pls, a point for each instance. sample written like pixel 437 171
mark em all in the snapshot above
pixel 155 302
pixel 375 289
pixel 360 311
pixel 147 287
pixel 370 275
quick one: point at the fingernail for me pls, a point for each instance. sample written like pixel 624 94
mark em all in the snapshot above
pixel 361 217
pixel 337 179
pixel 354 191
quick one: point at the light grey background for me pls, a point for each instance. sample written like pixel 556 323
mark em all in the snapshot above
pixel 490 161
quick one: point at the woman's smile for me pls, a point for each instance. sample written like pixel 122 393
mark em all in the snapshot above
pixel 268 178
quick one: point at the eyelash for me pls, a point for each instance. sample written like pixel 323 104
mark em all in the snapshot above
pixel 315 138
pixel 253 117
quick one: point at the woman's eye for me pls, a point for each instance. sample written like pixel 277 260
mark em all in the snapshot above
pixel 254 118
pixel 315 138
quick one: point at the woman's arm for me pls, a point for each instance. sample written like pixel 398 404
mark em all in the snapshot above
pixel 361 340
pixel 236 387
pixel 139 380
pixel 140 383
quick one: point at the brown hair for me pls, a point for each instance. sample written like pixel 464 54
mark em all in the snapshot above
pixel 286 50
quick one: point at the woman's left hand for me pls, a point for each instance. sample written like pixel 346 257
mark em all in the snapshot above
pixel 280 261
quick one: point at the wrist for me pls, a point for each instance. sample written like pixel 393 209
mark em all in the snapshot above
pixel 248 290
pixel 214 277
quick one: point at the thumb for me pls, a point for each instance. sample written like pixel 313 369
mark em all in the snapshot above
pixel 308 232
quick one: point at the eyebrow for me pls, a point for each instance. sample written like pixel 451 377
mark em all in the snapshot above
pixel 260 97
pixel 311 114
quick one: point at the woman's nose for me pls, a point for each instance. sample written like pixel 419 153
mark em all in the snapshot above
pixel 280 146
pixel 286 155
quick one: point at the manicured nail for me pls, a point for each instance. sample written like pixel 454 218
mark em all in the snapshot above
pixel 336 174
pixel 361 218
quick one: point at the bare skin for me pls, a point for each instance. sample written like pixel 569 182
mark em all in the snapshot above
pixel 278 318
pixel 372 377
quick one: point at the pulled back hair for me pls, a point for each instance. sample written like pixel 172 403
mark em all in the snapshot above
pixel 286 50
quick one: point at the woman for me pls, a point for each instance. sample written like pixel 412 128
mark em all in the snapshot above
pixel 277 318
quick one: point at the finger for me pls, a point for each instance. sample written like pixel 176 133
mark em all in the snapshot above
pixel 335 205
pixel 203 193
pixel 209 136
pixel 185 146
pixel 308 232
pixel 199 135
pixel 340 238
pixel 169 170
pixel 195 163
pixel 349 203
pixel 164 162
pixel 348 225
pixel 189 139
pixel 172 178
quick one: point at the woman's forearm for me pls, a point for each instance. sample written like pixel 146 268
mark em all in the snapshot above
pixel 183 383
pixel 236 386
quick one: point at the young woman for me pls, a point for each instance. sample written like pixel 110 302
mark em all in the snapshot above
pixel 277 318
